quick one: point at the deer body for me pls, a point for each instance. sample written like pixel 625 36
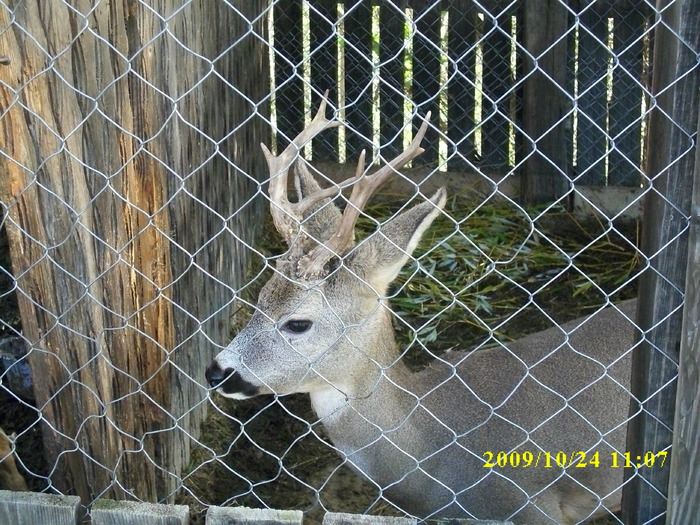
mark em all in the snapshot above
pixel 322 326
pixel 402 441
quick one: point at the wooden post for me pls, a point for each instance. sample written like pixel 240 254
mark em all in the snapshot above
pixel 426 74
pixel 670 169
pixel 498 85
pixel 107 119
pixel 461 93
pixel 544 176
pixel 591 100
pixel 684 483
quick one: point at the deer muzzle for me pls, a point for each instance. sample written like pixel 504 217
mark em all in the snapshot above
pixel 229 382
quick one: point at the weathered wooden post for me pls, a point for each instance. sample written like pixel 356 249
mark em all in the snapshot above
pixel 544 176
pixel 129 142
pixel 667 208
pixel 684 482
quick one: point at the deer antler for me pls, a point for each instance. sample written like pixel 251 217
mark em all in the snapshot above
pixel 288 216
pixel 363 187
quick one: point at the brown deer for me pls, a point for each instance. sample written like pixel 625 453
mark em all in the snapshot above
pixel 430 440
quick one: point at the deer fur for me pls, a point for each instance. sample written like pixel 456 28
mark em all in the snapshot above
pixel 10 478
pixel 421 437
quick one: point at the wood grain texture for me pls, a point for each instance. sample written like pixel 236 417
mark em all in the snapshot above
pixel 667 210
pixel 684 484
pixel 110 512
pixel 544 103
pixel 129 151
pixel 30 508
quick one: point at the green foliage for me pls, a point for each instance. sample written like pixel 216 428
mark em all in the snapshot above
pixel 481 263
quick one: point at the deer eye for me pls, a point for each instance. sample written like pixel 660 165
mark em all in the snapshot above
pixel 298 326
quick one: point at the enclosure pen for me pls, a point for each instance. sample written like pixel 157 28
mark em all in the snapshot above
pixel 555 192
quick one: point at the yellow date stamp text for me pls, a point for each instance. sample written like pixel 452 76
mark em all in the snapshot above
pixel 575 459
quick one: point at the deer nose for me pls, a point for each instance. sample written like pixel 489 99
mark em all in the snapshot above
pixel 215 375
pixel 229 382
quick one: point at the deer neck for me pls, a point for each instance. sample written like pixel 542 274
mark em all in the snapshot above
pixel 369 359
pixel 376 396
pixel 364 428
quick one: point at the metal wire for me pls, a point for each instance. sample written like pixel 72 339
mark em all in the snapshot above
pixel 385 65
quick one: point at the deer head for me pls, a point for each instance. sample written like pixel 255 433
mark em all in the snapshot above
pixel 321 321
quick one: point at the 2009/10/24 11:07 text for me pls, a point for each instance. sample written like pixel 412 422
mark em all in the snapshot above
pixel 572 459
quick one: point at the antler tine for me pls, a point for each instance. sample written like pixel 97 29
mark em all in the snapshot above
pixel 334 190
pixel 364 187
pixel 287 216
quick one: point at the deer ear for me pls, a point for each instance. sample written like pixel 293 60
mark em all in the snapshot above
pixel 379 258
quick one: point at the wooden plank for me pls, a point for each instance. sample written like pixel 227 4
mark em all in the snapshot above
pixel 497 83
pixel 110 512
pixel 101 246
pixel 592 105
pixel 323 15
pixel 341 518
pixel 684 483
pixel 671 164
pixel 31 508
pixel 358 72
pixel 545 168
pixel 288 70
pixel 247 516
pixel 461 90
pixel 392 23
pixel 625 114
pixel 426 73
pixel 462 521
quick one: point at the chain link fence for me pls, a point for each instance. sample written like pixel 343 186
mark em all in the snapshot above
pixel 136 239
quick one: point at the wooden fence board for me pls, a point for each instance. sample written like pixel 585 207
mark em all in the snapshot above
pixel 684 484
pixel 426 74
pixel 672 126
pixel 498 83
pixel 627 94
pixel 288 73
pixel 246 516
pixel 461 89
pixel 324 67
pixel 391 57
pixel 110 512
pixel 546 162
pixel 31 508
pixel 101 247
pixel 340 518
pixel 358 74
pixel 591 142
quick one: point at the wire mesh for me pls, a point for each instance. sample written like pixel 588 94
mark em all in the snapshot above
pixel 136 241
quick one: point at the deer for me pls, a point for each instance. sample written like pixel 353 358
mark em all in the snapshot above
pixel 431 441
